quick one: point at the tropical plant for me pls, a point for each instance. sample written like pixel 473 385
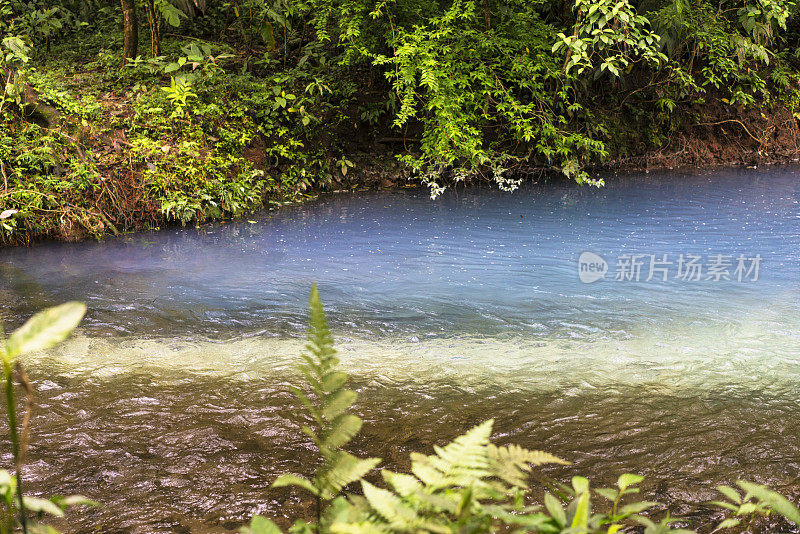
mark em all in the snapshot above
pixel 329 425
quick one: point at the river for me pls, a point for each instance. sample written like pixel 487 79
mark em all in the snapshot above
pixel 170 404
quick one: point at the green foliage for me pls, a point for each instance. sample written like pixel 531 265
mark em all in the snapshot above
pixel 14 56
pixel 463 81
pixel 179 92
pixel 262 101
pixel 611 33
pixel 756 501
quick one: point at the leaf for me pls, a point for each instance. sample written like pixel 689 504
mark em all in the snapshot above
pixel 730 493
pixel 512 461
pixel 343 470
pixel 45 329
pixel 288 479
pixel 580 484
pixel 628 479
pixel 260 525
pixel 8 213
pixel 267 34
pixel 609 494
pixel 775 500
pixel 401 483
pixel 728 523
pixel 555 509
pixel 345 427
pixel 388 505
pixel 581 517
pixel 337 403
pixel 637 507
pixel 334 380
pixel 35 504
pixel 73 500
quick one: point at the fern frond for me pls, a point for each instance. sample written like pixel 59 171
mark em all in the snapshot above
pixel 337 403
pixel 512 462
pixel 341 431
pixel 461 463
pixel 390 507
pixel 404 485
pixel 340 470
pixel 333 381
pixel 288 479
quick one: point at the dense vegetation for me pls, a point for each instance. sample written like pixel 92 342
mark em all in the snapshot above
pixel 467 486
pixel 209 110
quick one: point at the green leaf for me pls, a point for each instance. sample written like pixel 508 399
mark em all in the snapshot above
pixel 402 483
pixel 628 479
pixel 288 479
pixel 728 523
pixel 260 525
pixel 555 509
pixel 35 504
pixel 581 517
pixel 775 500
pixel 337 403
pixel 333 381
pixel 580 484
pixel 610 494
pixel 343 470
pixel 344 428
pixel 45 329
pixel 388 505
pixel 730 493
pixel 637 507
pixel 512 462
pixel 73 500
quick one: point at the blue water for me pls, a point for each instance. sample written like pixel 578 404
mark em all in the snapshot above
pixel 475 260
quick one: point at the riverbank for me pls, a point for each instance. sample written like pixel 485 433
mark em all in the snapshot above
pixel 199 135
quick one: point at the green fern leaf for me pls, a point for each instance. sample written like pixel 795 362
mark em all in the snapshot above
pixel 404 485
pixel 288 479
pixel 390 507
pixel 337 403
pixel 461 463
pixel 340 471
pixel 512 462
pixel 342 430
pixel 333 381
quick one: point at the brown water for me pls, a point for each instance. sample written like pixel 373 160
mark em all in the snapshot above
pixel 194 453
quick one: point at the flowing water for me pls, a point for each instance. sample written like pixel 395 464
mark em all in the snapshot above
pixel 171 403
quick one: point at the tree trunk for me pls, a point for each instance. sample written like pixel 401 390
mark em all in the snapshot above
pixel 154 21
pixel 130 28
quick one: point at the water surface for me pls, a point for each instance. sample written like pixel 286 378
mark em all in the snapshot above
pixel 171 403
